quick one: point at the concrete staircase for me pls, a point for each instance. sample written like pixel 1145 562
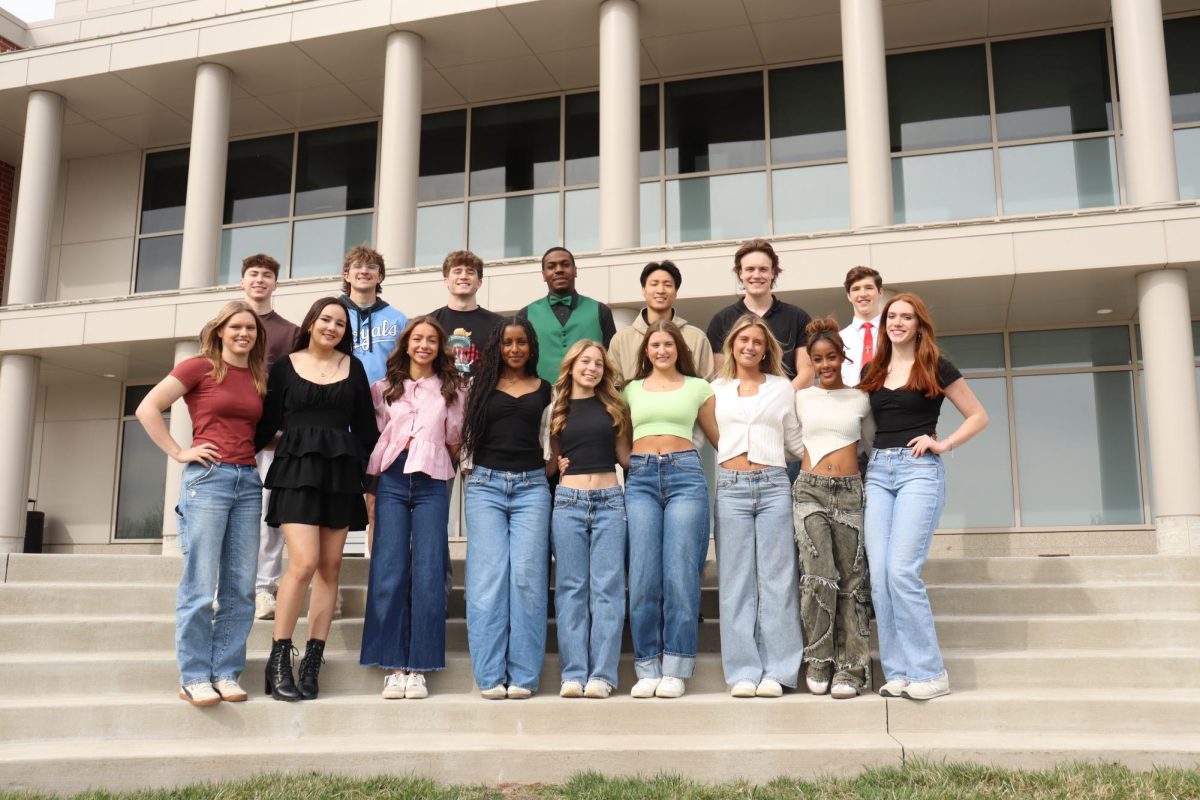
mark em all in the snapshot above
pixel 1049 658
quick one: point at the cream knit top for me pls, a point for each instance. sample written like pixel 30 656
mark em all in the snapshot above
pixel 830 419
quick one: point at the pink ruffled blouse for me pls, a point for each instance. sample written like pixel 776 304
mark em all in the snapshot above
pixel 420 422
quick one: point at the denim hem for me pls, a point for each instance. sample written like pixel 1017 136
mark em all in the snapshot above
pixel 650 667
pixel 678 666
pixel 780 681
pixel 216 678
pixel 205 682
pixel 405 669
pixel 602 679
pixel 942 674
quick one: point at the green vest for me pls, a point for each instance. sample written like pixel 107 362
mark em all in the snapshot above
pixel 554 339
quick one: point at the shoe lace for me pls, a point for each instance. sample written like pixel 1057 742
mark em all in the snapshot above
pixel 310 667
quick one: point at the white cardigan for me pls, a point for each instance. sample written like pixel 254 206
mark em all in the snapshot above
pixel 770 435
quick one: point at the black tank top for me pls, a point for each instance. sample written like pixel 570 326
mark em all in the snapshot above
pixel 588 439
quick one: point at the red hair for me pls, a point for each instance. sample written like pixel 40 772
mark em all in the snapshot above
pixel 924 375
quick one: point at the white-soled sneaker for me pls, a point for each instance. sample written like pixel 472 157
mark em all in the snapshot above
pixel 393 686
pixel 743 689
pixel 199 694
pixel 264 605
pixel 597 689
pixel 497 692
pixel 571 689
pixel 646 687
pixel 519 693
pixel 670 688
pixel 231 691
pixel 927 690
pixel 414 687
pixel 769 687
pixel 815 686
pixel 843 691
pixel 893 688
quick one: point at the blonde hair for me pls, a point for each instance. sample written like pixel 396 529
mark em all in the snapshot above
pixel 211 346
pixel 772 362
pixel 606 390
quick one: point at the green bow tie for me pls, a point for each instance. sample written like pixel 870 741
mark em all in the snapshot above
pixel 567 300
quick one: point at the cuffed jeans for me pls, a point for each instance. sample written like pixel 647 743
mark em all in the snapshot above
pixel 405 621
pixel 270 539
pixel 666 500
pixel 835 595
pixel 219 509
pixel 508 575
pixel 905 495
pixel 756 561
pixel 588 534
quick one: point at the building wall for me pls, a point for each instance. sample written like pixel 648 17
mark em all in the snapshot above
pixel 95 239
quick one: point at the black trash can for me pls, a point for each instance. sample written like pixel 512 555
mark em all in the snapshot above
pixel 35 531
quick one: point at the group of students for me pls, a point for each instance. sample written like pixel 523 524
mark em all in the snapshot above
pixel 545 412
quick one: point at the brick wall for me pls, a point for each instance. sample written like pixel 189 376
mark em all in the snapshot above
pixel 7 173
pixel 6 45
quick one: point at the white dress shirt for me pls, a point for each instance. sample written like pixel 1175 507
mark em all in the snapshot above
pixel 852 337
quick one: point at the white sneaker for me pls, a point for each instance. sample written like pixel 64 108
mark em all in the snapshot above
pixel 769 687
pixel 497 692
pixel 670 688
pixel 893 688
pixel 414 687
pixel 815 686
pixel 597 689
pixel 393 686
pixel 743 689
pixel 646 687
pixel 571 689
pixel 927 690
pixel 199 694
pixel 519 693
pixel 264 605
pixel 843 691
pixel 231 691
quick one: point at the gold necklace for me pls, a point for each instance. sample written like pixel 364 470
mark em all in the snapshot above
pixel 337 362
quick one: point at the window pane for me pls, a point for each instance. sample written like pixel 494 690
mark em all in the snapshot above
pixel 443 156
pixel 938 98
pixel 1077 456
pixel 1076 347
pixel 979 491
pixel 808 113
pixel 258 179
pixel 714 123
pixel 514 147
pixel 1183 67
pixel 582 220
pixel 720 207
pixel 974 351
pixel 649 125
pixel 651 212
pixel 944 186
pixel 164 191
pixel 158 263
pixel 143 479
pixel 582 139
pixel 1052 85
pixel 1059 175
pixel 237 243
pixel 319 245
pixel 134 395
pixel 439 230
pixel 811 198
pixel 335 169
pixel 513 227
pixel 1187 162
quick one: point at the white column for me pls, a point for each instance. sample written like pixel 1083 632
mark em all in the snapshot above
pixel 181 431
pixel 1172 413
pixel 868 146
pixel 620 129
pixel 206 177
pixel 400 151
pixel 18 393
pixel 1145 102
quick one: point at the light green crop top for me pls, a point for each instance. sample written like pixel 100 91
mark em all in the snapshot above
pixel 666 413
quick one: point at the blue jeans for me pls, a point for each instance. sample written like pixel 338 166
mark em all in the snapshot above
pixel 508 575
pixel 405 621
pixel 904 501
pixel 666 500
pixel 588 533
pixel 217 517
pixel 758 576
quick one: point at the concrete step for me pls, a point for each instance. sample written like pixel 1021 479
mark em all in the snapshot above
pixel 1032 750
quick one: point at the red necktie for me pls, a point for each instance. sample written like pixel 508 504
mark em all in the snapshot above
pixel 868 344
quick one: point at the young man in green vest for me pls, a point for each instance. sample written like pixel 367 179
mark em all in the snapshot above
pixel 564 316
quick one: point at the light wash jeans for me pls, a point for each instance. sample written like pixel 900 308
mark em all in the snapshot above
pixel 905 496
pixel 217 517
pixel 270 540
pixel 758 576
pixel 666 500
pixel 588 534
pixel 508 575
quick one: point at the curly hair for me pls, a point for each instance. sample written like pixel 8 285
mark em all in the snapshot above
pixel 491 364
pixel 825 328
pixel 400 361
pixel 606 390
pixel 211 346
pixel 683 359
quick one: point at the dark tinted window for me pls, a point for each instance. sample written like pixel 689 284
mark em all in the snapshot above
pixel 258 179
pixel 335 169
pixel 164 191
pixel 1052 85
pixel 808 113
pixel 514 146
pixel 938 98
pixel 443 155
pixel 715 123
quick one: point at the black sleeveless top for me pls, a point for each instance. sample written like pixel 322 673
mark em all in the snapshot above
pixel 511 441
pixel 588 439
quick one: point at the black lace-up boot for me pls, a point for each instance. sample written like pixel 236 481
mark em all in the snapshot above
pixel 280 683
pixel 310 668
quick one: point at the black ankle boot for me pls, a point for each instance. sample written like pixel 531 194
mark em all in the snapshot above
pixel 310 668
pixel 280 683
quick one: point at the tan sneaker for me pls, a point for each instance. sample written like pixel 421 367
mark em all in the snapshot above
pixel 497 692
pixel 393 686
pixel 571 689
pixel 414 687
pixel 743 689
pixel 893 688
pixel 597 689
pixel 927 690
pixel 199 694
pixel 768 687
pixel 264 605
pixel 231 691
pixel 519 693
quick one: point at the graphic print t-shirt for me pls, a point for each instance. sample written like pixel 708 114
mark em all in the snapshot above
pixel 467 332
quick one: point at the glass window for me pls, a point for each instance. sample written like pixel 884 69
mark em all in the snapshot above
pixel 649 133
pixel 974 351
pixel 811 198
pixel 158 263
pixel 1077 455
pixel 335 169
pixel 439 230
pixel 719 207
pixel 808 113
pixel 237 243
pixel 714 123
pixel 938 98
pixel 164 191
pixel 582 139
pixel 651 213
pixel 944 186
pixel 514 147
pixel 581 223
pixel 1059 175
pixel 1052 85
pixel 979 490
pixel 143 476
pixel 513 227
pixel 1187 162
pixel 443 156
pixel 1075 347
pixel 318 245
pixel 258 179
pixel 1183 67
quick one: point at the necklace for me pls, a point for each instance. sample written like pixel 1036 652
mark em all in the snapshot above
pixel 337 362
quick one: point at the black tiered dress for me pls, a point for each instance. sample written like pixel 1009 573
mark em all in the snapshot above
pixel 328 433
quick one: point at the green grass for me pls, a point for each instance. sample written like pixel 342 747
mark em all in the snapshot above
pixel 915 780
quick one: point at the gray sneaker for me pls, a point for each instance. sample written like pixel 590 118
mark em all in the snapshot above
pixel 927 690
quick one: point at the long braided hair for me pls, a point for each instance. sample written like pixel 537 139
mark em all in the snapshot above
pixel 485 379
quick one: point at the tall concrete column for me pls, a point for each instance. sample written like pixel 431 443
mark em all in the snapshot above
pixel 181 431
pixel 36 195
pixel 868 146
pixel 1172 412
pixel 1145 102
pixel 400 151
pixel 620 128
pixel 206 177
